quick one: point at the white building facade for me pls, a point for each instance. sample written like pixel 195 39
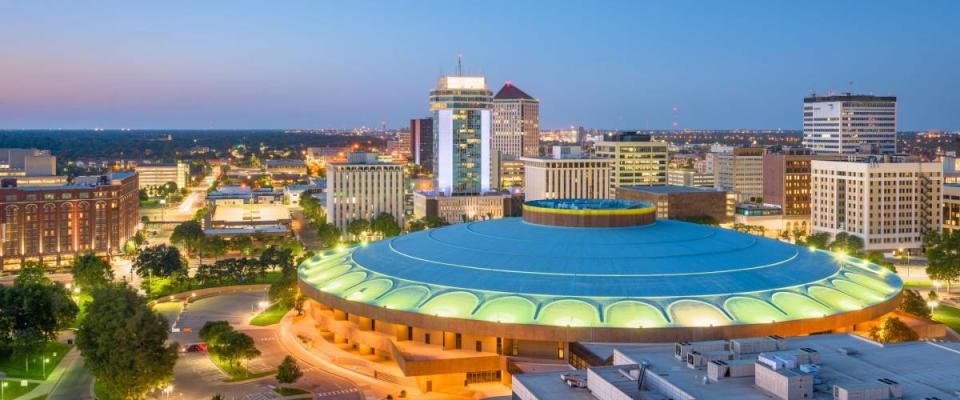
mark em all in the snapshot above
pixel 890 205
pixel 850 124
pixel 363 187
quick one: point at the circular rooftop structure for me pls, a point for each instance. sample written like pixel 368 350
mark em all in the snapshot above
pixel 589 213
pixel 658 274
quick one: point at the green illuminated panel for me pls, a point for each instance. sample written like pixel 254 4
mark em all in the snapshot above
pixel 696 313
pixel 317 279
pixel 875 283
pixel 405 298
pixel 857 291
pixel 634 314
pixel 510 309
pixel 340 284
pixel 835 298
pixel 753 311
pixel 798 306
pixel 452 304
pixel 569 313
pixel 369 290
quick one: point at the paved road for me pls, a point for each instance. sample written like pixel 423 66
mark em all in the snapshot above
pixel 76 384
pixel 196 377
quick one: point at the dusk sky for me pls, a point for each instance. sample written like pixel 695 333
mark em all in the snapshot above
pixel 343 64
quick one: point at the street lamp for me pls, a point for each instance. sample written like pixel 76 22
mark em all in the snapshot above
pixel 167 390
pixel 936 285
pixel 45 361
pixel 2 386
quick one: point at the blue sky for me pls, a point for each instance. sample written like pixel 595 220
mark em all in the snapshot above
pixel 341 64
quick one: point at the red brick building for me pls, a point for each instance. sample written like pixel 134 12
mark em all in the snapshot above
pixel 54 223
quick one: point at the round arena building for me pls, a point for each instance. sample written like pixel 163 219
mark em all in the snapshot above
pixel 572 271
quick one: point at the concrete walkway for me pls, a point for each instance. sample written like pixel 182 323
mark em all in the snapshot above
pixel 72 388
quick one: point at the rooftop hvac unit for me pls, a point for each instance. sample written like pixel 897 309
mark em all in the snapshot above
pixel 846 351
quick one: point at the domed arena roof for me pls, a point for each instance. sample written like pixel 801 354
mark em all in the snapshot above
pixel 664 274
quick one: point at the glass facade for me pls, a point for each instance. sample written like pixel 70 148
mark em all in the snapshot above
pixel 461 135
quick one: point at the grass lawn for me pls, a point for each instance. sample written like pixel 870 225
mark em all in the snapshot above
pixel 13 388
pixel 948 315
pixel 272 315
pixel 926 283
pixel 14 366
pixel 237 373
pixel 289 391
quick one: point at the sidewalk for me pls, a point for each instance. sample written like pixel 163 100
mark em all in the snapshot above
pixel 69 362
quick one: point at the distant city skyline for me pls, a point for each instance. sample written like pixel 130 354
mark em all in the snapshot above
pixel 616 65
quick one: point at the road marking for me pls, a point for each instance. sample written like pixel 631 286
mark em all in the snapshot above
pixel 337 392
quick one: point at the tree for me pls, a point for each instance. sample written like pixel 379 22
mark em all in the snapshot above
pixel 32 313
pixel 212 246
pixel 913 303
pixel 213 330
pixel 288 372
pixel 217 396
pixel 160 261
pixel 235 347
pixel 90 271
pixel 385 224
pixel 188 235
pixel 877 257
pixel 943 255
pixel 358 227
pixel 123 343
pixel 32 272
pixel 818 240
pixel 893 330
pixel 328 234
pixel 200 214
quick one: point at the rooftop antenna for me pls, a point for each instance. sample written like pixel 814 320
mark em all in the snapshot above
pixel 459 64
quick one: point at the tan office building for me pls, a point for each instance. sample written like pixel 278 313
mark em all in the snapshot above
pixel 362 188
pixel 638 160
pixel 566 178
pixel 890 204
pixel 741 172
pixel 154 175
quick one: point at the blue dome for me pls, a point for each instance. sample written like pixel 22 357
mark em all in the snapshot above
pixel 686 274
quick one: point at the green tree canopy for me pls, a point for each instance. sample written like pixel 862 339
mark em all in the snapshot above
pixel 160 261
pixel 123 343
pixel 893 330
pixel 913 303
pixel 32 272
pixel 212 330
pixel 329 234
pixel 90 271
pixel 358 227
pixel 33 312
pixel 188 235
pixel 235 347
pixel 385 224
pixel 817 240
pixel 943 254
pixel 288 371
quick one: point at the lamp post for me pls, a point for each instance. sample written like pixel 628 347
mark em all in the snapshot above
pixel 2 387
pixel 45 361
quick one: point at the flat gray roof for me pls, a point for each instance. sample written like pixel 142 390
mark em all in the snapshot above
pixel 924 369
pixel 660 189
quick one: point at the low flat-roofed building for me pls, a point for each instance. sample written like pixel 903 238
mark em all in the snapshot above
pixel 462 208
pixel 772 219
pixel 155 175
pixel 249 215
pixel 680 202
pixel 285 166
pixel 689 177
pixel 838 366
